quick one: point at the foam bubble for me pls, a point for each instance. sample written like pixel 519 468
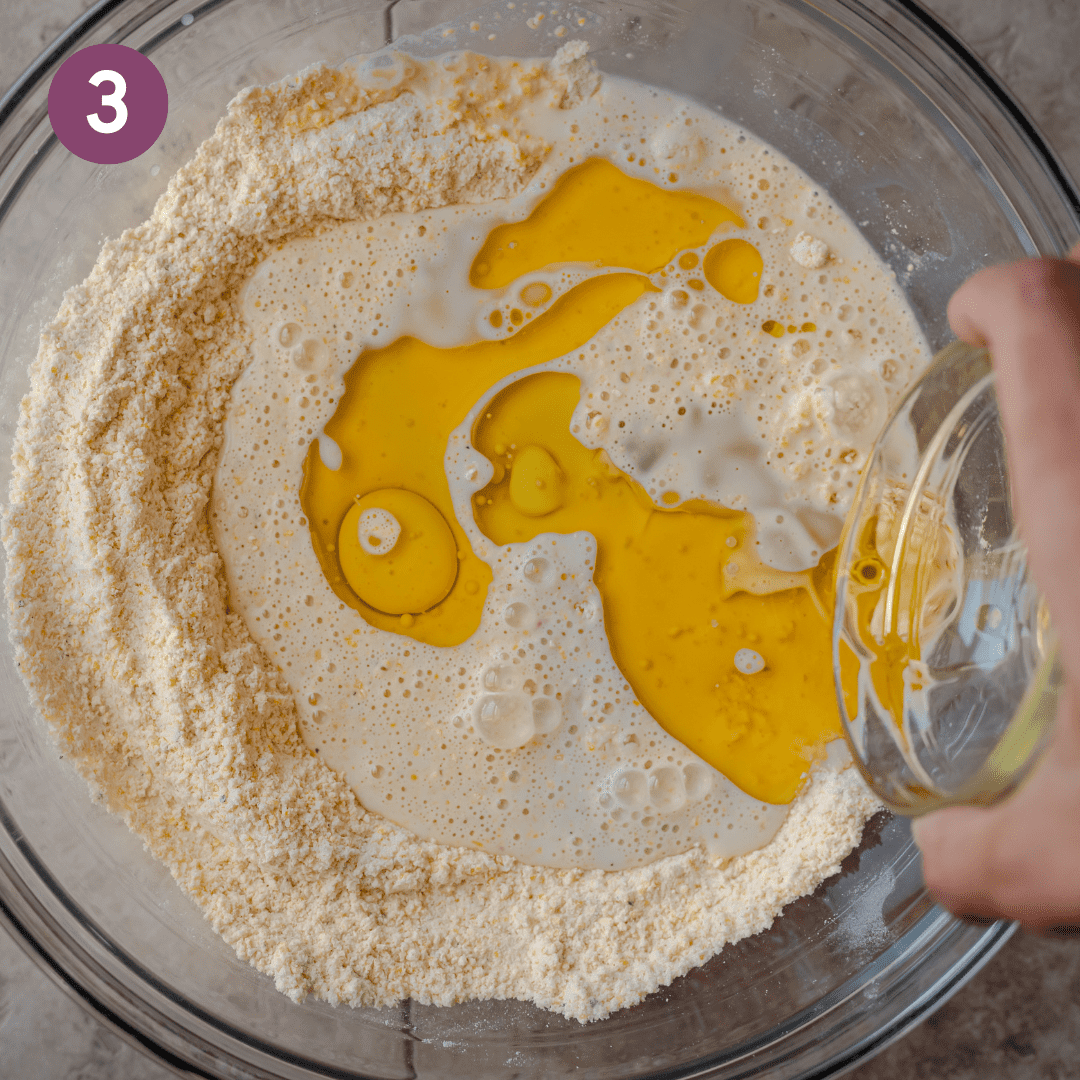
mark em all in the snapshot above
pixel 630 788
pixel 378 530
pixel 749 662
pixel 499 677
pixel 667 792
pixel 676 386
pixel 547 715
pixel 518 615
pixel 537 571
pixel 698 781
pixel 504 720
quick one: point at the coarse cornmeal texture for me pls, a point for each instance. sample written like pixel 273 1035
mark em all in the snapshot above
pixel 157 691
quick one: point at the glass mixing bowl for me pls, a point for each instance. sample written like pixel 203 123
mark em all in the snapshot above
pixel 941 172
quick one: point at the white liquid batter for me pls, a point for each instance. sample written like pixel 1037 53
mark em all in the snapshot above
pixel 526 740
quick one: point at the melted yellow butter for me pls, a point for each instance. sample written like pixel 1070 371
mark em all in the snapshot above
pixel 410 573
pixel 393 422
pixel 670 581
pixel 891 622
pixel 733 268
pixel 682 592
pixel 597 214
pixel 890 653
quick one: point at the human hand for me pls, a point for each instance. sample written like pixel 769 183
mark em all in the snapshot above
pixel 1021 859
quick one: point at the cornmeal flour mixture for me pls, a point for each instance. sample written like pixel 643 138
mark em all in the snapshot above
pixel 186 724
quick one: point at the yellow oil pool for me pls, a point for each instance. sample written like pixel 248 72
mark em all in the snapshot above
pixel 681 589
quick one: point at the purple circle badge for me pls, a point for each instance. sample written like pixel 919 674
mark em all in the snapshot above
pixel 108 104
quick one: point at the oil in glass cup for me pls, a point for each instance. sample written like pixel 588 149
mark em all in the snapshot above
pixel 946 668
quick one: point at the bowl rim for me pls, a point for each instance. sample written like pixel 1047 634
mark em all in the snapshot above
pixel 75 967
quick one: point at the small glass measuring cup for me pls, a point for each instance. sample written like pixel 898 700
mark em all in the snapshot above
pixel 945 661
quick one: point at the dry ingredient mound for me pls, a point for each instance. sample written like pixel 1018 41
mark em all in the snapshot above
pixel 119 611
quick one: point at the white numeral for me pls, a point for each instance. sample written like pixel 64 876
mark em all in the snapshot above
pixel 115 100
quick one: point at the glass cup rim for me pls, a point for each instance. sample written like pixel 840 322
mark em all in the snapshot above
pixel 20 110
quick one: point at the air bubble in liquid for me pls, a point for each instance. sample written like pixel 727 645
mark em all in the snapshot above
pixel 290 334
pixel 547 715
pixel 518 615
pixel 630 788
pixel 504 720
pixel 667 792
pixel 311 354
pixel 698 780
pixel 501 677
pixel 537 571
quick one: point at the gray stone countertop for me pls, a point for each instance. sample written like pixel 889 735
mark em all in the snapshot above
pixel 1019 1018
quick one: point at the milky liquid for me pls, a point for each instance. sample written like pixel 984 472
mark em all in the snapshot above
pixel 526 739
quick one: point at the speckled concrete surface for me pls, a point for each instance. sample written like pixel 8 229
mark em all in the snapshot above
pixel 1019 1019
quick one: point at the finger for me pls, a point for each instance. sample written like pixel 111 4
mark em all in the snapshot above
pixel 958 861
pixel 1020 860
pixel 1028 314
pixel 1075 253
